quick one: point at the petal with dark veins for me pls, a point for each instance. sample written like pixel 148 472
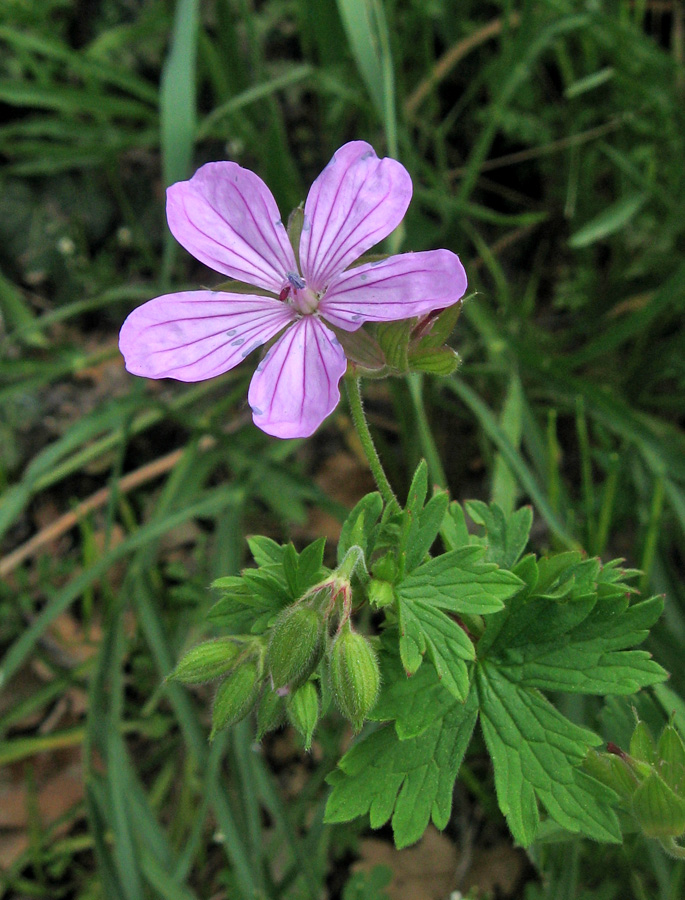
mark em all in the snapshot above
pixel 355 202
pixel 196 335
pixel 228 219
pixel 410 284
pixel 296 385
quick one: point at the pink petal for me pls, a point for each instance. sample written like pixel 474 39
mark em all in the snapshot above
pixel 296 385
pixel 228 219
pixel 199 334
pixel 355 202
pixel 399 287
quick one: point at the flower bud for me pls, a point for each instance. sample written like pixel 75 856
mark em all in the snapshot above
pixel 206 661
pixel 270 712
pixel 236 695
pixel 671 765
pixel 355 678
pixel 303 711
pixel 659 811
pixel 385 568
pixel 296 646
pixel 381 593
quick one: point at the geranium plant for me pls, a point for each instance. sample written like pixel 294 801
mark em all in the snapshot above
pixel 463 624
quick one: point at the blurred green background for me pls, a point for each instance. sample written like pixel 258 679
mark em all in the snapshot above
pixel 546 143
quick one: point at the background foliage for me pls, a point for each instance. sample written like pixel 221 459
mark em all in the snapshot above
pixel 545 141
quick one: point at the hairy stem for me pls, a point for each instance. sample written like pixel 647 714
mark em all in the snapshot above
pixel 673 848
pixel 354 397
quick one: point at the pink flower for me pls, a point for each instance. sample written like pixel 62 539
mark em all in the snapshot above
pixel 228 219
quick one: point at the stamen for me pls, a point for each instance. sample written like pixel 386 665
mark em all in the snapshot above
pixel 296 281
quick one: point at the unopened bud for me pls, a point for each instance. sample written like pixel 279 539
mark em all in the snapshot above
pixel 355 678
pixel 385 568
pixel 303 711
pixel 659 811
pixel 270 712
pixel 296 646
pixel 381 593
pixel 236 695
pixel 206 661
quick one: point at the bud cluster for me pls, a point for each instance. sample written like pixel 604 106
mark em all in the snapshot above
pixel 310 654
pixel 410 345
pixel 650 780
pixel 238 662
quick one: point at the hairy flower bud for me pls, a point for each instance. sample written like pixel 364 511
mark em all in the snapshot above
pixel 303 711
pixel 206 661
pixel 296 646
pixel 270 712
pixel 385 568
pixel 355 677
pixel 380 593
pixel 236 695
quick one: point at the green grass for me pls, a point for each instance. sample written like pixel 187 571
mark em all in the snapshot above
pixel 545 141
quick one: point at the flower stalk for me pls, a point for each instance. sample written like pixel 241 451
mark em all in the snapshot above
pixel 354 397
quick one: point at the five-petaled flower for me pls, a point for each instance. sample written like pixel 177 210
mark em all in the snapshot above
pixel 228 219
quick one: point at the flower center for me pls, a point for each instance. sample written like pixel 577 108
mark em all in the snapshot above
pixel 296 292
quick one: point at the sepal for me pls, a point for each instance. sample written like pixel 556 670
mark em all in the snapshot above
pixel 660 812
pixel 270 712
pixel 206 661
pixel 303 710
pixel 236 695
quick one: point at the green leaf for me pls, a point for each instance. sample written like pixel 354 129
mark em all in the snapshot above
pixel 264 550
pixel 424 529
pixel 536 753
pixel 310 565
pixel 454 531
pixel 418 489
pixel 360 525
pixel 505 536
pixel 410 782
pixel 413 703
pixel 459 581
pixel 424 627
pixel 250 601
pixel 290 569
pixel 573 631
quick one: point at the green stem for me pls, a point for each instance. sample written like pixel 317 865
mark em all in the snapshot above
pixel 673 848
pixel 354 397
